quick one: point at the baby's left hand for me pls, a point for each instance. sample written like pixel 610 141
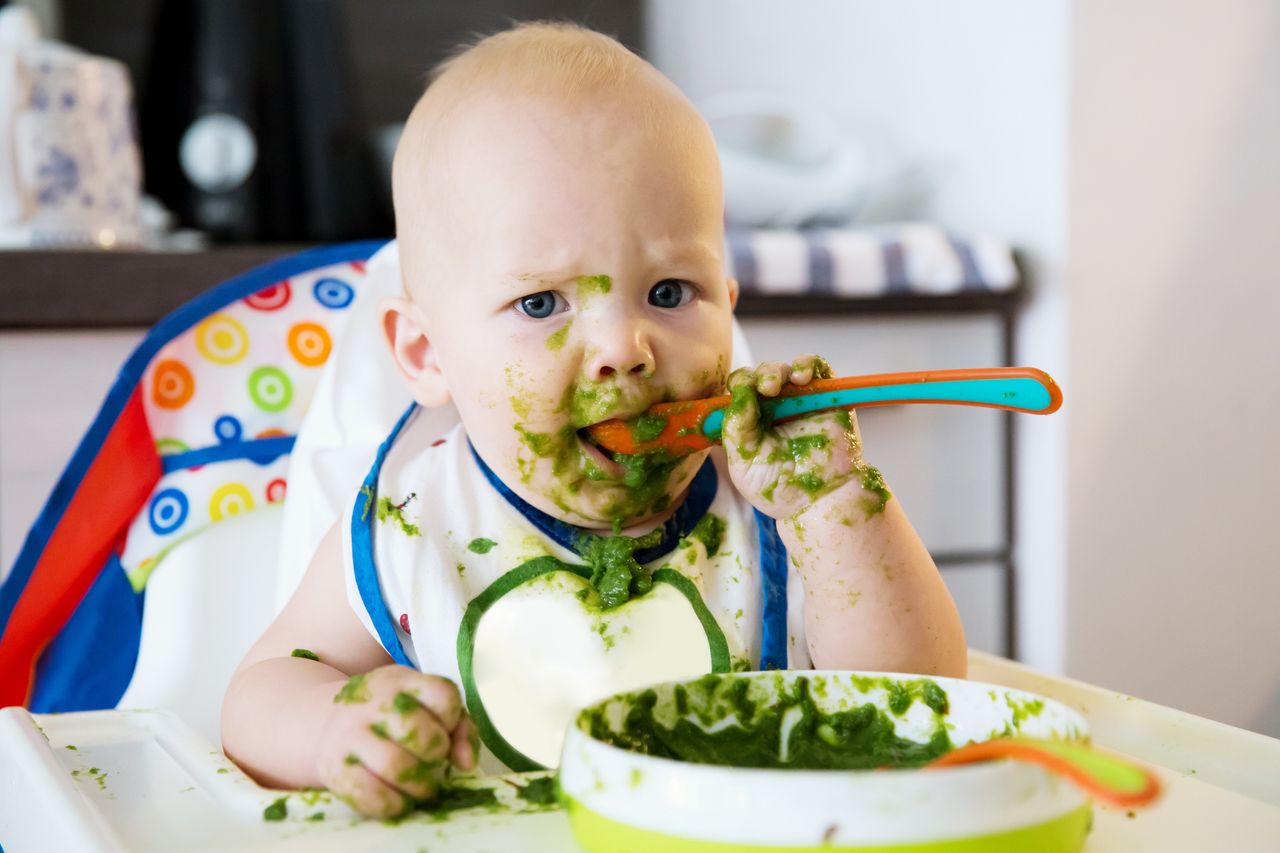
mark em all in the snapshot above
pixel 783 468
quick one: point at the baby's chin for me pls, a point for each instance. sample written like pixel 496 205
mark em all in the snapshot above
pixel 603 502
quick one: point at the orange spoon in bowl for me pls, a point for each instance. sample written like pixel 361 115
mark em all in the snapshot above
pixel 1107 778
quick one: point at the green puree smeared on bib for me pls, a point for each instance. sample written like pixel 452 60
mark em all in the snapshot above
pixel 616 576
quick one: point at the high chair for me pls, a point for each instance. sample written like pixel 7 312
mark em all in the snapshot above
pixel 168 544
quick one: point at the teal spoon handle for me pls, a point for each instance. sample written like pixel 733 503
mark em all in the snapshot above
pixel 1030 394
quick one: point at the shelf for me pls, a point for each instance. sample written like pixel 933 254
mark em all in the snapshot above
pixel 103 290
pixel 85 290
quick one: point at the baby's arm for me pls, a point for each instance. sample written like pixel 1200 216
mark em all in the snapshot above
pixel 873 596
pixel 351 720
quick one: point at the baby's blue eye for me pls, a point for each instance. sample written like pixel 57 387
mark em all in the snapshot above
pixel 670 293
pixel 538 305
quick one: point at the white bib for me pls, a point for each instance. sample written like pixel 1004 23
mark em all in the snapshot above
pixel 467 581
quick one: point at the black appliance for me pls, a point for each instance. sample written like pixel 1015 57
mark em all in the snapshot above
pixel 250 127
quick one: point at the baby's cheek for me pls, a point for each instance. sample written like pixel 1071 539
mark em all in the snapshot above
pixel 704 377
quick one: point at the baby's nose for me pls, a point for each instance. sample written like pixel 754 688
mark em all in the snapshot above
pixel 620 352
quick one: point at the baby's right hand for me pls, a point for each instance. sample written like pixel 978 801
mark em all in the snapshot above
pixel 390 737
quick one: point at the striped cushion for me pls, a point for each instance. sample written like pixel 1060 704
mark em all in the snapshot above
pixel 865 263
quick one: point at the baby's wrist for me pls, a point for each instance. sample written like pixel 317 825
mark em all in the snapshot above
pixel 856 498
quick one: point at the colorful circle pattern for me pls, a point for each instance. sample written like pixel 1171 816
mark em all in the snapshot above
pixel 172 384
pixel 171 446
pixel 271 298
pixel 227 428
pixel 222 339
pixel 333 293
pixel 168 511
pixel 310 344
pixel 275 490
pixel 270 389
pixel 229 501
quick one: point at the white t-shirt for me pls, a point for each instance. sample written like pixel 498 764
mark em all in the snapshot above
pixel 472 583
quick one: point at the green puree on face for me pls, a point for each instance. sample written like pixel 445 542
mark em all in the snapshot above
pixel 717 721
pixel 646 476
pixel 646 471
pixel 647 427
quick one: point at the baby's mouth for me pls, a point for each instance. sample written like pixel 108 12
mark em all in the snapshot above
pixel 598 457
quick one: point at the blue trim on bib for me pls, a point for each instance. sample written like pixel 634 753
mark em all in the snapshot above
pixel 773 588
pixel 363 516
pixel 702 491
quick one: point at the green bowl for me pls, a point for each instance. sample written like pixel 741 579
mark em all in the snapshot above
pixel 699 766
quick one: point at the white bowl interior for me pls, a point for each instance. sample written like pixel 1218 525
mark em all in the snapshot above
pixel 917 709
pixel 618 761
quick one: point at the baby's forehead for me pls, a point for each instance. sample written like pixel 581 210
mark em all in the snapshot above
pixel 498 183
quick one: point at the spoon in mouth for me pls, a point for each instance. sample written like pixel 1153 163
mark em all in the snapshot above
pixel 690 425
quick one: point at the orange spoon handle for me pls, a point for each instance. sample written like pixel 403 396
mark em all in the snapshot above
pixel 1105 777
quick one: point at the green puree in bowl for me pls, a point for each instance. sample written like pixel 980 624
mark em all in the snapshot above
pixel 722 720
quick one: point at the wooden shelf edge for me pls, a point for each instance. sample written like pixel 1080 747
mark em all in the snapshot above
pixel 103 290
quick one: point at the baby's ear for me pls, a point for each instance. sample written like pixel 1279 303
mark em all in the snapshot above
pixel 733 292
pixel 406 334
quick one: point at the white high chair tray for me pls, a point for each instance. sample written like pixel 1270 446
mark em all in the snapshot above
pixel 143 781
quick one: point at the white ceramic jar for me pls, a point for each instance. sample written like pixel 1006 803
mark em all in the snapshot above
pixel 70 170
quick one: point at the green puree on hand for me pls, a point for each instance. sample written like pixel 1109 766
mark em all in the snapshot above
pixel 717 721
pixel 354 691
pixel 873 481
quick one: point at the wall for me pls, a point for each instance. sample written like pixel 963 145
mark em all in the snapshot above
pixel 1175 366
pixel 51 385
pixel 976 94
pixel 1130 151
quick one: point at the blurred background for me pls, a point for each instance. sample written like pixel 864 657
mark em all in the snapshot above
pixel 1091 188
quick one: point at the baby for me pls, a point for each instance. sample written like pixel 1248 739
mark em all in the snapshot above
pixel 560 221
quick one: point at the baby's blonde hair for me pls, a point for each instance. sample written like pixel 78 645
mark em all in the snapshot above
pixel 539 55
pixel 535 58
pixel 557 60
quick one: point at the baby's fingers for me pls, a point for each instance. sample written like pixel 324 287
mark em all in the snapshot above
pixel 801 372
pixel 438 695
pixel 741 429
pixel 770 377
pixel 807 368
pixel 414 728
pixel 348 776
pixel 466 746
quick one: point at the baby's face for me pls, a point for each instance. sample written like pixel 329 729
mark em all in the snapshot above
pixel 581 278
